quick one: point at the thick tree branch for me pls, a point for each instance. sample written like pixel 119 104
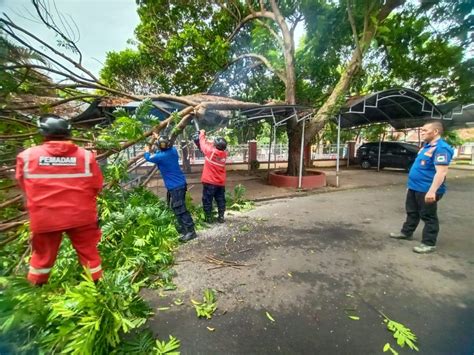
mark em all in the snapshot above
pixel 171 98
pixel 248 18
pixel 330 106
pixel 157 128
pixel 354 29
pixel 289 54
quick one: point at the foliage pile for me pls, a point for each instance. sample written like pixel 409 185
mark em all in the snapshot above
pixel 71 313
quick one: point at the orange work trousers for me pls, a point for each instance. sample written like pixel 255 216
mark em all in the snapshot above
pixel 45 248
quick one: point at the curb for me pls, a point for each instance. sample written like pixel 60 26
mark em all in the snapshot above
pixel 329 189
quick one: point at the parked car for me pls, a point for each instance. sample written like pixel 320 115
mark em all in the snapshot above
pixel 392 155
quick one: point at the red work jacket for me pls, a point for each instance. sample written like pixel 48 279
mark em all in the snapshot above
pixel 61 182
pixel 214 164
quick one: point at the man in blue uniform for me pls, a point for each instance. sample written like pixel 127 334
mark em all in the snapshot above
pixel 166 159
pixel 426 186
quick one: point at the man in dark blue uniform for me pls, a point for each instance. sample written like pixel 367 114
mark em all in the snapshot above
pixel 167 160
pixel 426 186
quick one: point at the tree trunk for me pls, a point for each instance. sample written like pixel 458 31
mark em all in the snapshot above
pixel 294 148
pixel 293 129
pixel 332 104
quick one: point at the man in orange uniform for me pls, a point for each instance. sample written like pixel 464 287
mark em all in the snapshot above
pixel 60 182
pixel 213 176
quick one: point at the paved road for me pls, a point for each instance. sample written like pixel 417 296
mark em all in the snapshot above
pixel 311 262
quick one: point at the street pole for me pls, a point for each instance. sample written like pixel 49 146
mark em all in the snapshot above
pixel 338 147
pixel 300 177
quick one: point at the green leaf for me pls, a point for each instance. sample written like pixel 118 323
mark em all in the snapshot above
pixel 402 334
pixel 269 316
pixel 169 347
pixel 178 302
pixel 354 317
pixel 208 306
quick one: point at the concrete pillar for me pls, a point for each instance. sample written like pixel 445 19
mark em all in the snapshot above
pixel 252 155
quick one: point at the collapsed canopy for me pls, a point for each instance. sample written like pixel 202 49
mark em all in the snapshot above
pixel 401 108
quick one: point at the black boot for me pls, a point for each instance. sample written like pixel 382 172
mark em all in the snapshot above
pixel 190 235
pixel 220 217
pixel 208 218
pixel 181 230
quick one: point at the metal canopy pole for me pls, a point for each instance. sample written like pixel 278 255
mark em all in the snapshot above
pixel 381 139
pixel 274 148
pixel 378 158
pixel 300 177
pixel 338 147
pixel 270 150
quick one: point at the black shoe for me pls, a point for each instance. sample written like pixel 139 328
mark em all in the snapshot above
pixel 220 219
pixel 208 219
pixel 187 237
pixel 400 235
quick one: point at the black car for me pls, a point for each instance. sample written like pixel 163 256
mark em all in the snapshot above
pixel 392 155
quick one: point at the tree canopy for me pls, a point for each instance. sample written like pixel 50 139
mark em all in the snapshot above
pixel 239 49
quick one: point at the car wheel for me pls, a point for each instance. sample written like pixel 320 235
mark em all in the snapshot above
pixel 365 164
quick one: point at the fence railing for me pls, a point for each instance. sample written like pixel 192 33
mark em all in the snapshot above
pixel 278 152
pixel 328 151
pixel 240 153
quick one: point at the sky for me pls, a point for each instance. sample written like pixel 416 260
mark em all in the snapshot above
pixel 104 25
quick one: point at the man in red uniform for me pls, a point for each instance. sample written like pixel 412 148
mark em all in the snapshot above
pixel 213 176
pixel 60 182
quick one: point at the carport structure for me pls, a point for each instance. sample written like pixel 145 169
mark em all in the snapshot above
pixel 400 107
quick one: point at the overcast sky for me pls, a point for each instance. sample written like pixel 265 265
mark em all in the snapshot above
pixel 104 25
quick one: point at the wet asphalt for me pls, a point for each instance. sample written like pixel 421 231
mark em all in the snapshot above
pixel 312 262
